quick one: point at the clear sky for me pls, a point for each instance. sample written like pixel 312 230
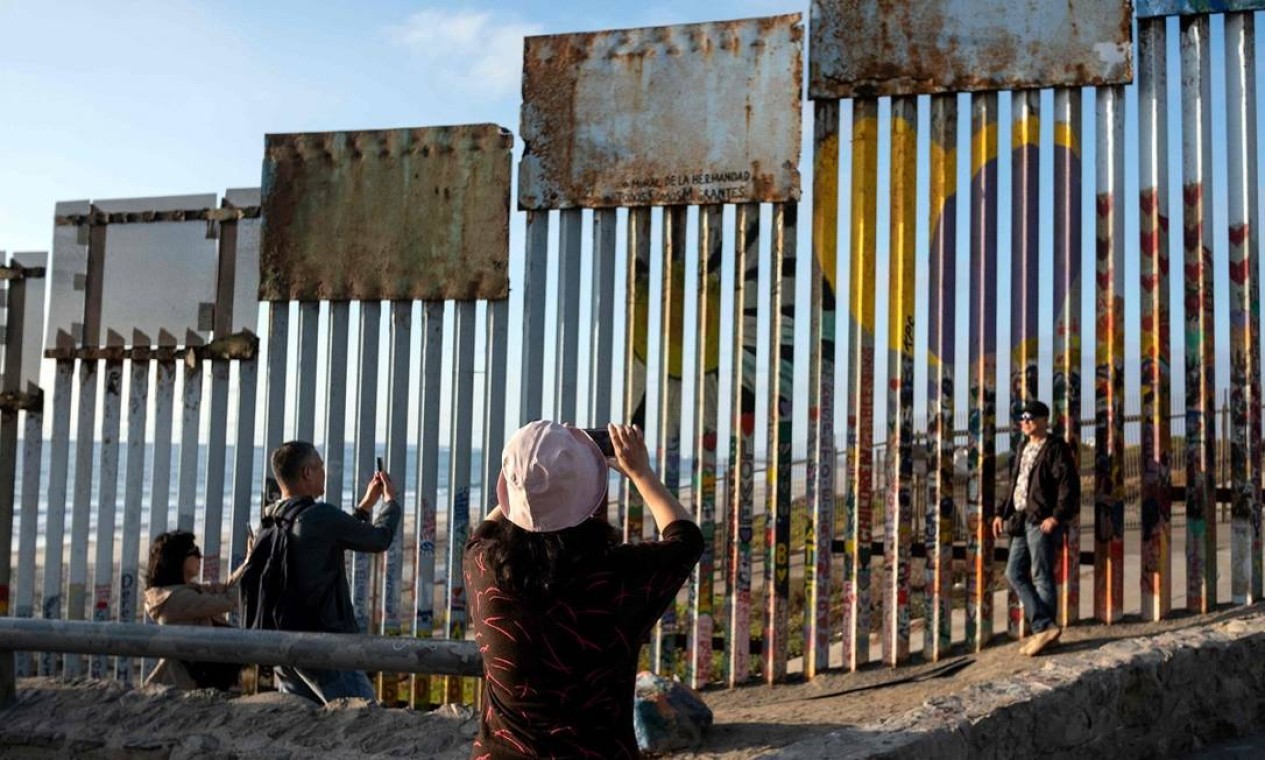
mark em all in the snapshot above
pixel 125 99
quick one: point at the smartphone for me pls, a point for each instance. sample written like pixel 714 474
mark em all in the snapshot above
pixel 380 467
pixel 602 437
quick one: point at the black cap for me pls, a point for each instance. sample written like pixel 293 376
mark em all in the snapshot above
pixel 1036 409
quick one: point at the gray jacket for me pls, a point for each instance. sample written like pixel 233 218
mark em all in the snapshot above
pixel 318 539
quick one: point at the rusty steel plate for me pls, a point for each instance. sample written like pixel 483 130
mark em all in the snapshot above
pixel 400 214
pixel 871 48
pixel 676 115
pixel 1153 8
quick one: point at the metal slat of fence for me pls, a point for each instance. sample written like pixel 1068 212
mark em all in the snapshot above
pixel 602 336
pixel 461 440
pixel 860 400
pixel 1245 543
pixel 777 574
pixel 391 688
pixel 898 516
pixel 1197 222
pixel 1067 323
pixel 275 385
pixel 821 336
pixel 216 462
pixel 76 598
pixel 566 398
pixel 11 327
pixel 636 356
pixel 1109 396
pixel 706 422
pixel 336 373
pixel 981 461
pixel 244 484
pixel 129 575
pixel 160 484
pixel 942 337
pixel 107 498
pixel 535 279
pixel 305 399
pixel 496 352
pixel 55 521
pixel 742 447
pixel 1025 258
pixel 672 318
pixel 190 437
pixel 1156 554
pixel 366 451
pixel 427 484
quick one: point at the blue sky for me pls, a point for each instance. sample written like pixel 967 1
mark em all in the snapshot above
pixel 133 99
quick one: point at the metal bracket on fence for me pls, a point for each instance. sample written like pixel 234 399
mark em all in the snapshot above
pixel 19 272
pixel 13 401
pixel 97 217
pixel 333 651
pixel 242 346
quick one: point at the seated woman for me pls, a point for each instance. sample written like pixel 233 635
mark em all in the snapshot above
pixel 559 605
pixel 172 597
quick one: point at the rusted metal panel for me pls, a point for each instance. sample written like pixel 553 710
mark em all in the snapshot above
pixel 697 113
pixel 401 214
pixel 1152 8
pixel 862 48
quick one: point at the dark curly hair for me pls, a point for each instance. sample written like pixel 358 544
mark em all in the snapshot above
pixel 166 558
pixel 537 565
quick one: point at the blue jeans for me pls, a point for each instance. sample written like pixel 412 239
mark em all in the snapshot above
pixel 1030 570
pixel 323 686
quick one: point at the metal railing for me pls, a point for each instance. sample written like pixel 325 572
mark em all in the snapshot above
pixel 333 651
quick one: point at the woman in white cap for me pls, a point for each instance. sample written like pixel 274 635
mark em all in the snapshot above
pixel 560 607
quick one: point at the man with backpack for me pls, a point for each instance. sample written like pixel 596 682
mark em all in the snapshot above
pixel 300 579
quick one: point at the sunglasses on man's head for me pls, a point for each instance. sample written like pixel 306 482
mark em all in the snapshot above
pixel 1026 417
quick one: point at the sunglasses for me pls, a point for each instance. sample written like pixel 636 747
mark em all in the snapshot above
pixel 1027 417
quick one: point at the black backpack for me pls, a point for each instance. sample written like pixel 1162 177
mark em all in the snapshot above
pixel 270 599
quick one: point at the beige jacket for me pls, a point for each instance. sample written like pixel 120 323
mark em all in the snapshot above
pixel 187 604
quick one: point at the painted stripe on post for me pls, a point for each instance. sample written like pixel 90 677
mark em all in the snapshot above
pixel 1025 272
pixel 742 447
pixel 860 409
pixel 672 321
pixel 777 561
pixel 1109 395
pixel 821 388
pixel 899 515
pixel 1245 351
pixel 1197 223
pixel 981 461
pixel 1156 555
pixel 941 385
pixel 1067 325
pixel 636 356
pixel 706 421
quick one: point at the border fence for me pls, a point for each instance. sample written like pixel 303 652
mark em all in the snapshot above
pixel 369 279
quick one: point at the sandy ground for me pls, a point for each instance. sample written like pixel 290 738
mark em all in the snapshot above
pixel 86 719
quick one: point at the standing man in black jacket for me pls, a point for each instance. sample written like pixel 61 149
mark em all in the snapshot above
pixel 321 534
pixel 1044 499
